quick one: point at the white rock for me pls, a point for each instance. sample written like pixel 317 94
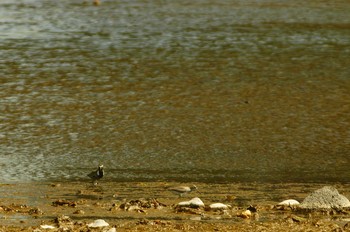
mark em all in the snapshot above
pixel 47 227
pixel 98 223
pixel 184 203
pixel 218 206
pixel 195 202
pixel 327 197
pixel 289 202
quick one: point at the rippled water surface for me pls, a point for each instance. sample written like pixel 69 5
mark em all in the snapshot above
pixel 175 90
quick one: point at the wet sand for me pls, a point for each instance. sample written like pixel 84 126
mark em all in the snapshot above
pixel 24 207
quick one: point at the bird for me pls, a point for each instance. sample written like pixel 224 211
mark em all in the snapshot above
pixel 181 190
pixel 96 175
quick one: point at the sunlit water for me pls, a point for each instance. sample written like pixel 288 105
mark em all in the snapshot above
pixel 175 90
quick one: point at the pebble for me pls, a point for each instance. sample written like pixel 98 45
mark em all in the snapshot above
pixel 98 223
pixel 219 206
pixel 245 214
pixel 194 203
pixel 47 227
pixel 289 202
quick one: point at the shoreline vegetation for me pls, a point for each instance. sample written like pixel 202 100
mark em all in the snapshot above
pixel 150 206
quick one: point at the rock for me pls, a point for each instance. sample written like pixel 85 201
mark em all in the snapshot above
pixel 327 197
pixel 245 214
pixel 193 203
pixel 98 223
pixel 196 202
pixel 184 203
pixel 47 227
pixel 218 206
pixel 289 202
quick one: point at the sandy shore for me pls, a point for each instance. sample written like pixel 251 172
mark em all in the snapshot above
pixel 148 206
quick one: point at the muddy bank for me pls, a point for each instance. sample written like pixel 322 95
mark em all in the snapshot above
pixel 149 206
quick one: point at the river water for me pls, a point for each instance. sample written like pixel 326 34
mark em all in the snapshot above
pixel 200 90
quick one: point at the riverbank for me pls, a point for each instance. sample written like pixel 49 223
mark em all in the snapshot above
pixel 149 206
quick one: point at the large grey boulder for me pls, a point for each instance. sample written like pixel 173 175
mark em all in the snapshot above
pixel 327 197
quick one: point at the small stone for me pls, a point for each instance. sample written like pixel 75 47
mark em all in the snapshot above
pixel 245 214
pixel 219 206
pixel 289 202
pixel 47 227
pixel 193 203
pixel 98 223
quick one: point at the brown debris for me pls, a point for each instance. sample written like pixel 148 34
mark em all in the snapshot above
pixel 141 204
pixel 79 211
pixel 35 211
pixel 295 218
pixel 189 210
pixel 64 203
pixel 15 208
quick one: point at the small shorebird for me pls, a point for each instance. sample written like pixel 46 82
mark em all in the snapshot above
pixel 96 175
pixel 181 190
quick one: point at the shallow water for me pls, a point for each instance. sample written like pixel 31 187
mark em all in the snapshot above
pixel 175 90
